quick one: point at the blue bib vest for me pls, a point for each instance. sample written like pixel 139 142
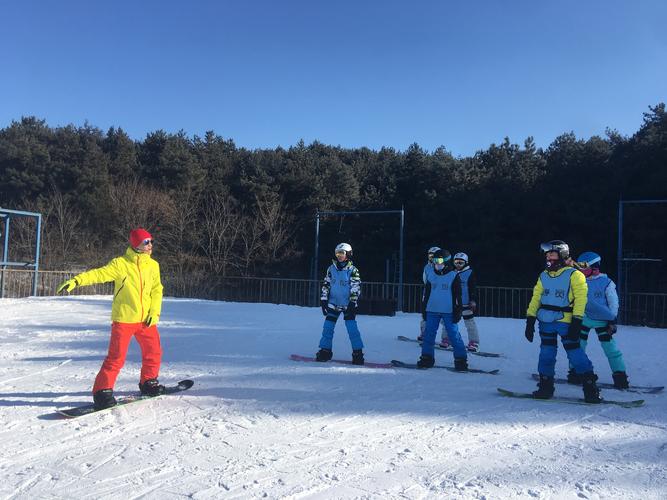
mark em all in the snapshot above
pixel 597 307
pixel 440 299
pixel 339 293
pixel 464 276
pixel 555 296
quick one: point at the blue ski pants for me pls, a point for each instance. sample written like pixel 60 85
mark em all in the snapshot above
pixel 549 333
pixel 432 321
pixel 326 342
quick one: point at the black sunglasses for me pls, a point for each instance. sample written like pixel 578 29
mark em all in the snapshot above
pixel 147 242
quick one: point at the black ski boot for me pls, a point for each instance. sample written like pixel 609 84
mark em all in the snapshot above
pixel 545 388
pixel 574 378
pixel 620 380
pixel 425 361
pixel 104 399
pixel 461 364
pixel 357 357
pixel 151 388
pixel 591 391
pixel 324 355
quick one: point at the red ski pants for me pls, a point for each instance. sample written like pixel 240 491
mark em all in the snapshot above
pixel 121 334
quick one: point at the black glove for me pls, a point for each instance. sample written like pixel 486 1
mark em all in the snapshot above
pixel 611 327
pixel 574 331
pixel 352 305
pixel 530 328
pixel 325 306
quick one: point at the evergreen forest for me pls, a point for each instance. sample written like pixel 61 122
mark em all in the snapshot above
pixel 217 209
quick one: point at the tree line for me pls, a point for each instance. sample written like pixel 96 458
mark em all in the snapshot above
pixel 217 209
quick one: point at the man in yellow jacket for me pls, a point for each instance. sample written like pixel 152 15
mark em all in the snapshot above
pixel 558 302
pixel 135 311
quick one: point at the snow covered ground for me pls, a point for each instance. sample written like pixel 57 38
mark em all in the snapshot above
pixel 257 425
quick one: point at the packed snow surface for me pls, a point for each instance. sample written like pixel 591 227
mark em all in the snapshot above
pixel 258 425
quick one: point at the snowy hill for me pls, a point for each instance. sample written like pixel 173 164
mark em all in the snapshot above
pixel 257 425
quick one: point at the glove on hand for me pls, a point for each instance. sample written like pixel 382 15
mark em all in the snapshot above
pixel 611 327
pixel 530 328
pixel 574 331
pixel 325 306
pixel 68 285
pixel 352 305
pixel 152 320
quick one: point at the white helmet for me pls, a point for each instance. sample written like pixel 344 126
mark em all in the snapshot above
pixel 461 256
pixel 433 249
pixel 344 247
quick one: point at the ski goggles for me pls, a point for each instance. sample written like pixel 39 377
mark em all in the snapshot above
pixel 438 260
pixel 459 262
pixel 147 242
pixel 550 247
pixel 341 252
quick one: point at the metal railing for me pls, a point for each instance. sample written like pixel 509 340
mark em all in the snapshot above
pixel 649 309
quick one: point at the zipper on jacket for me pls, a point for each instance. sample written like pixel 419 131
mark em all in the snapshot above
pixel 141 291
pixel 121 287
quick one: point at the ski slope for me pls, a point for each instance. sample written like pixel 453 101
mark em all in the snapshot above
pixel 257 425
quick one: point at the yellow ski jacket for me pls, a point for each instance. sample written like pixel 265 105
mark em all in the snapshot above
pixel 577 295
pixel 137 291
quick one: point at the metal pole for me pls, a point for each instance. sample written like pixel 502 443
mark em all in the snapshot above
pixel 619 263
pixel 5 256
pixel 400 264
pixel 37 248
pixel 317 251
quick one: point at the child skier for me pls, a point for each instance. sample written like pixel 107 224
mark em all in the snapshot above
pixel 558 302
pixel 600 315
pixel 135 311
pixel 340 293
pixel 469 299
pixel 442 301
pixel 429 263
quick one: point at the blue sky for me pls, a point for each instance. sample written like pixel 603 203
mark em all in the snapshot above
pixel 356 73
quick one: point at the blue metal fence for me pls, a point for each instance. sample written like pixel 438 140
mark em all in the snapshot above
pixel 649 309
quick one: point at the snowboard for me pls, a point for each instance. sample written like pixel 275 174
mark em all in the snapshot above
pixel 79 411
pixel 642 389
pixel 413 366
pixel 367 364
pixel 571 400
pixel 451 349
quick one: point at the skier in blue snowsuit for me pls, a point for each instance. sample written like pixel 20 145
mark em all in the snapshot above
pixel 600 316
pixel 422 323
pixel 442 302
pixel 558 302
pixel 340 293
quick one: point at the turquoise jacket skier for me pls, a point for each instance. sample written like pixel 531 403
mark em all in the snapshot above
pixel 600 316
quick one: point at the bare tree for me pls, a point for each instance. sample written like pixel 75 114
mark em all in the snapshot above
pixel 251 240
pixel 222 227
pixel 277 227
pixel 139 205
pixel 62 224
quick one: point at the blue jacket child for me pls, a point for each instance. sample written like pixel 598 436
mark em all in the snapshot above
pixel 340 293
pixel 442 301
